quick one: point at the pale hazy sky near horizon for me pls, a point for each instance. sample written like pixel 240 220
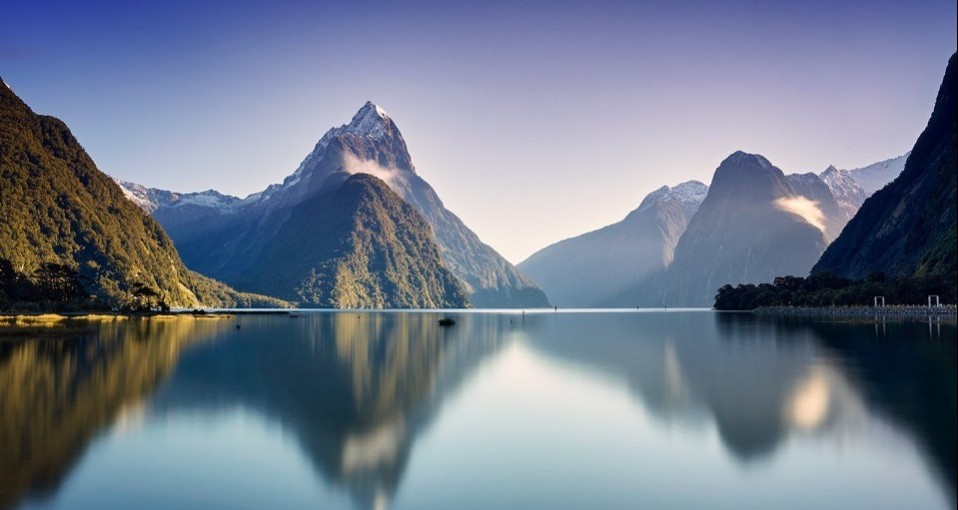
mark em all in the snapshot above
pixel 533 122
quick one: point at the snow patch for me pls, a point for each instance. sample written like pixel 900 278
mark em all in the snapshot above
pixel 370 121
pixel 875 176
pixel 208 198
pixel 152 199
pixel 690 192
pixel 137 194
pixel 848 193
pixel 686 193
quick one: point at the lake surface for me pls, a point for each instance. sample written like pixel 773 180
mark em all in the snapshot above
pixel 543 411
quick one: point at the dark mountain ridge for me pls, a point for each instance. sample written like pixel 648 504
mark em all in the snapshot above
pixel 908 227
pixel 69 238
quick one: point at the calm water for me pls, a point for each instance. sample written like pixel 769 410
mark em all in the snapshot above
pixel 547 411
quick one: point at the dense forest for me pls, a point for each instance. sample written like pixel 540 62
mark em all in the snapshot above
pixel 70 239
pixel 356 245
pixel 827 289
pixel 60 287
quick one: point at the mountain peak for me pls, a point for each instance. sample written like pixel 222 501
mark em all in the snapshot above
pixel 740 157
pixel 689 193
pixel 744 163
pixel 374 107
pixel 750 177
pixel 370 121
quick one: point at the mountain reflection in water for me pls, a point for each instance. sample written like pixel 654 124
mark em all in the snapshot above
pixel 356 392
pixel 58 390
pixel 761 379
pixel 354 389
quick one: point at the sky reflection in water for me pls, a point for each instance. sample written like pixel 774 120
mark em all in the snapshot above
pixel 387 410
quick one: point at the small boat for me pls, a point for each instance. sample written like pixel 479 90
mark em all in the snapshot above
pixel 446 322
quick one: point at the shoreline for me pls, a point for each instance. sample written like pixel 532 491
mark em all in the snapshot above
pixel 13 319
pixel 13 323
pixel 865 312
pixel 202 312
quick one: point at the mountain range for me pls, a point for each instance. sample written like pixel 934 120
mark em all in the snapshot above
pixel 757 224
pixel 229 238
pixel 355 226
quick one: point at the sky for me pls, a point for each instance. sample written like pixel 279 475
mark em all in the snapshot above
pixel 534 121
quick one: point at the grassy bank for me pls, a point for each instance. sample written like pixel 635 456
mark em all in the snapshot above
pixel 12 324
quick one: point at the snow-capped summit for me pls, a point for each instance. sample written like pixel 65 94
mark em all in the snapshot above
pixel 852 187
pixel 138 194
pixel 370 121
pixel 875 176
pixel 152 199
pixel 690 192
pixel 689 195
pixel 227 245
pixel 848 194
pixel 370 130
pixel 843 186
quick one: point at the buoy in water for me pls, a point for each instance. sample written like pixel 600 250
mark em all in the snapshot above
pixel 446 322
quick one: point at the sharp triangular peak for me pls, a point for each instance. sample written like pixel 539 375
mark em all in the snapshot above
pixel 371 120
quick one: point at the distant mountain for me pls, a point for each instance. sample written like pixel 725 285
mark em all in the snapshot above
pixel 754 224
pixel 69 238
pixel 846 191
pixel 355 245
pixel 151 199
pixel 587 270
pixel 875 176
pixel 850 188
pixel 619 266
pixel 225 237
pixel 908 226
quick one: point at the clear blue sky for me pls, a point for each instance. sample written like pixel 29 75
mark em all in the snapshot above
pixel 533 122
